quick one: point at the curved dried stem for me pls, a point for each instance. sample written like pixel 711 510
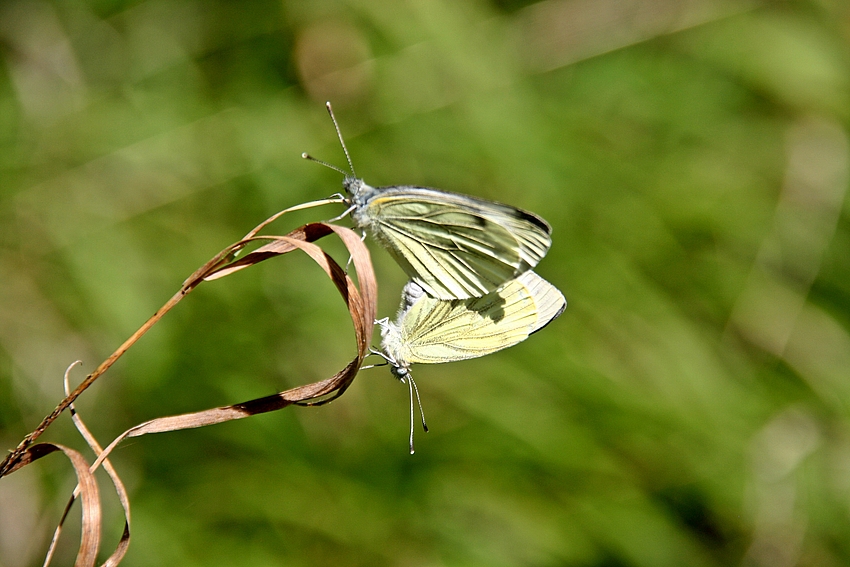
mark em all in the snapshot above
pixel 362 306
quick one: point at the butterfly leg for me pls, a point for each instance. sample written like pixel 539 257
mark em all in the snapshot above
pixel 345 213
pixel 378 353
pixel 362 238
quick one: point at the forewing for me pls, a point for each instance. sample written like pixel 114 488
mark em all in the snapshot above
pixel 455 246
pixel 435 331
pixel 532 233
pixel 549 302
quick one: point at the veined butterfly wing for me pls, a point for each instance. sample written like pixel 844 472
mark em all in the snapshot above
pixel 454 246
pixel 432 331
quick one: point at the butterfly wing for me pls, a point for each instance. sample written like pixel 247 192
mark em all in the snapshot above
pixel 548 300
pixel 433 330
pixel 454 246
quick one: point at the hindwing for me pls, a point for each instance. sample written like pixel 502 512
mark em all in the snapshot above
pixel 433 330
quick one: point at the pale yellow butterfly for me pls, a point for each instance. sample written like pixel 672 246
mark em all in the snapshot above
pixel 429 330
pixel 453 246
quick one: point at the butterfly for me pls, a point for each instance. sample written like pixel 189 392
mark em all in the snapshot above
pixel 453 246
pixel 430 331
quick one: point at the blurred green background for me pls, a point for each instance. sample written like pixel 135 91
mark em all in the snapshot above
pixel 691 406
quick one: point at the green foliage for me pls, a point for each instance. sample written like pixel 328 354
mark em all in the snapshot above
pixel 691 406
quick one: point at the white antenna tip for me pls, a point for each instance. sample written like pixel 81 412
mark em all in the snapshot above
pixel 305 155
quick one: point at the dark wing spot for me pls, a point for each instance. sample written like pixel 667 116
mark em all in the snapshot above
pixel 533 219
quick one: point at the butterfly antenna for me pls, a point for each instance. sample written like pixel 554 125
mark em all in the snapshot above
pixel 412 417
pixel 339 135
pixel 305 155
pixel 411 386
pixel 419 401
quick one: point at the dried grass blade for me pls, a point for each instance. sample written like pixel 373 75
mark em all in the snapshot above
pixel 307 233
pixel 120 490
pixel 368 284
pixel 222 264
pixel 362 308
pixel 89 498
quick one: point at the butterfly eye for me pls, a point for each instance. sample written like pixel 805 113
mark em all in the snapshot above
pixel 400 372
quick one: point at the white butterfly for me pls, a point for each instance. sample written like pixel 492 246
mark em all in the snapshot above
pixel 453 246
pixel 429 330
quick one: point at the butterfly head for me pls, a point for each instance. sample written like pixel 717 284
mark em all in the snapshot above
pixel 400 372
pixel 354 186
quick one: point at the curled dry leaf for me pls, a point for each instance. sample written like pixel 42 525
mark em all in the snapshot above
pixel 362 306
pixel 89 498
pixel 121 492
